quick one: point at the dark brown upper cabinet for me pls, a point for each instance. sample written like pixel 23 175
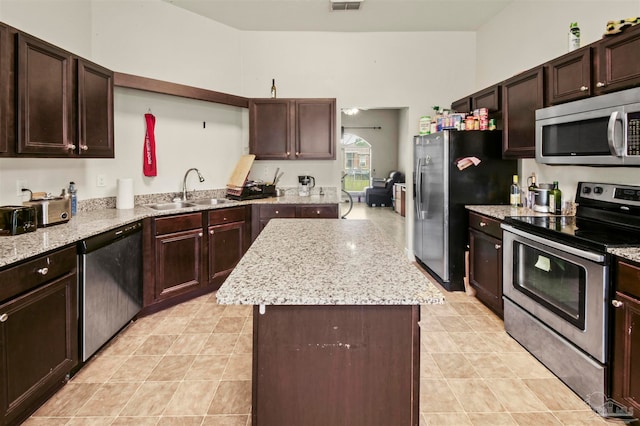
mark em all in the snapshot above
pixel 489 98
pixel 64 103
pixel 6 106
pixel 569 77
pixel 522 95
pixel 292 129
pixel 618 61
pixel 95 110
pixel 462 105
pixel 45 98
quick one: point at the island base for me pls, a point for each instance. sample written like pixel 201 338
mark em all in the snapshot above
pixel 336 365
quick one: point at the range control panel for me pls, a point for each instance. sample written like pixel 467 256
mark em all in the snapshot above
pixel 609 192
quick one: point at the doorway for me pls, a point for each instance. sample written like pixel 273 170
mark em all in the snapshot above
pixel 356 167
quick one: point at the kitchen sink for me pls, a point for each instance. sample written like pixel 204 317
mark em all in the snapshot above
pixel 210 201
pixel 171 206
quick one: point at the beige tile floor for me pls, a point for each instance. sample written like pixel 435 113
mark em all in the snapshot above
pixel 191 365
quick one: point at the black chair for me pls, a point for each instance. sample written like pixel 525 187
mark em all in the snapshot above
pixel 381 193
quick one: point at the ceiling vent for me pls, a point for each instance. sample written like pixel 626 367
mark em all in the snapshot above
pixel 346 4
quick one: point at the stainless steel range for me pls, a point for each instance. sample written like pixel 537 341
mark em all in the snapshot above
pixel 557 287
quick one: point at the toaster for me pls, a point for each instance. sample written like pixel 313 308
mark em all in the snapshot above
pixel 16 220
pixel 52 210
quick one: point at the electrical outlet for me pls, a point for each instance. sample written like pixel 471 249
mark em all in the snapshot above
pixel 20 183
pixel 101 180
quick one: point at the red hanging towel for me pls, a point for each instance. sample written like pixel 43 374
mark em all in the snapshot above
pixel 149 161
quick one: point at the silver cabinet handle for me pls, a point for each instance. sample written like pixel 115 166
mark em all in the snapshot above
pixel 600 84
pixel 211 232
pixel 616 303
pixel 43 271
pixel 277 212
pixel 70 146
pixel 4 317
pixel 498 246
pixel 583 88
pixel 297 154
pixel 199 234
pixel 288 153
pixel 84 147
pixel 483 224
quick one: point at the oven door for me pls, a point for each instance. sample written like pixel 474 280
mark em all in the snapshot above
pixel 562 286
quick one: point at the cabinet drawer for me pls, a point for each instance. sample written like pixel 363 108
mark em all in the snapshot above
pixel 269 212
pixel 185 222
pixel 485 224
pixel 221 216
pixel 37 271
pixel 318 211
pixel 628 280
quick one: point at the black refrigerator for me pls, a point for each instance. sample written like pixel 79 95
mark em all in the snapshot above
pixel 453 169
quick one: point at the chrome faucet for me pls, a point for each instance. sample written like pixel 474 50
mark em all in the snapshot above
pixel 184 182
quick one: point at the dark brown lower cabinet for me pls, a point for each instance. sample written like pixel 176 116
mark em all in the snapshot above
pixel 485 260
pixel 38 340
pixel 225 250
pixel 625 369
pixel 336 365
pixel 263 213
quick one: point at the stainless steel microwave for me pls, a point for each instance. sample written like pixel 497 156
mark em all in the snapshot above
pixel 598 131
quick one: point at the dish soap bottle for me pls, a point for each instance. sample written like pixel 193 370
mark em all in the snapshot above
pixel 273 88
pixel 514 192
pixel 555 199
pixel 574 36
pixel 74 198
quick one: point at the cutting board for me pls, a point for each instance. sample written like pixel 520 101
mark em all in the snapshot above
pixel 241 172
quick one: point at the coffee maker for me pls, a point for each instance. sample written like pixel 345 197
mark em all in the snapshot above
pixel 305 183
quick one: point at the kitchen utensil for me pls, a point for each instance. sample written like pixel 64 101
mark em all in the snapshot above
pixel 305 183
pixel 275 182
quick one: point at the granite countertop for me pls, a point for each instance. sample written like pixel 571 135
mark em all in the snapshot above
pixel 88 223
pixel 501 211
pixel 325 262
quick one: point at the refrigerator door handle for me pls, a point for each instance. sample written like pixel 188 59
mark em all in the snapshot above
pixel 418 187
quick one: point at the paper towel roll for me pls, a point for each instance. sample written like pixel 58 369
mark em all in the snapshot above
pixel 124 200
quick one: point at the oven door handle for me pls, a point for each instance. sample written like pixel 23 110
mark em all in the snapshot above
pixel 595 257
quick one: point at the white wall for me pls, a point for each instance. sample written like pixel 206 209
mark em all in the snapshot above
pixel 151 39
pixel 368 70
pixel 529 33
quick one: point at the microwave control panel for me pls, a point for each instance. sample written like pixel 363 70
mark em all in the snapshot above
pixel 633 133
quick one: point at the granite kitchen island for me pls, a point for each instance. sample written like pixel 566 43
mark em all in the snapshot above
pixel 335 324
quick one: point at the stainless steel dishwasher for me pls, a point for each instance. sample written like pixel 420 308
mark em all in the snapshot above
pixel 110 284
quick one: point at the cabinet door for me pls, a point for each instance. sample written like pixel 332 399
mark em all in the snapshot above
pixel 45 99
pixel 270 129
pixel 178 263
pixel 462 105
pixel 38 346
pixel 226 243
pixel 485 269
pixel 522 95
pixel 5 82
pixel 618 61
pixel 488 98
pixel 315 129
pixel 95 110
pixel 569 77
pixel 626 352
